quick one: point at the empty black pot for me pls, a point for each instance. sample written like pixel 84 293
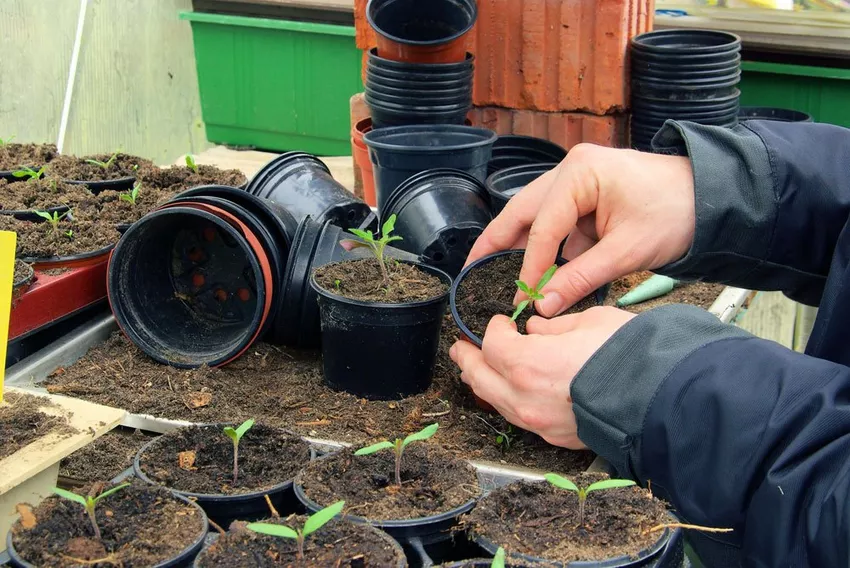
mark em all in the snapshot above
pixel 511 151
pixel 191 284
pixel 401 152
pixel 504 184
pixel 302 184
pixel 381 351
pixel 440 213
pixel 686 43
pixel 314 245
pixel 776 114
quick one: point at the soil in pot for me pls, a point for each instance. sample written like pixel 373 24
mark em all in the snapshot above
pixel 21 422
pixel 699 294
pixel 39 240
pixel 362 280
pixel 433 482
pixel 77 168
pixel 490 289
pixel 338 544
pixel 180 178
pixel 13 156
pixel 140 526
pixel 40 194
pixel 105 458
pixel 22 272
pixel 267 457
pixel 119 211
pixel 540 520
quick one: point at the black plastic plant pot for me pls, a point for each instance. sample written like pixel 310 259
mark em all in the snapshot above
pixel 414 82
pixel 82 259
pixel 418 101
pixel 504 184
pixel 540 145
pixel 376 62
pixel 376 74
pixel 419 94
pixel 182 560
pixel 381 351
pixel 648 102
pixel 191 285
pixel 302 184
pixel 401 152
pixel 384 116
pixel 31 215
pixel 440 213
pixel 224 509
pixel 775 114
pixel 687 42
pixel 120 184
pixel 298 323
pixel 599 294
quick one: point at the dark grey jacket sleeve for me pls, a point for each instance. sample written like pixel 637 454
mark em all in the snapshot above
pixel 771 201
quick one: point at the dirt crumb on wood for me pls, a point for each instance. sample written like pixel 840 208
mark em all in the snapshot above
pixel 22 422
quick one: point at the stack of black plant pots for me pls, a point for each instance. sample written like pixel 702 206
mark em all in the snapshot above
pixel 683 75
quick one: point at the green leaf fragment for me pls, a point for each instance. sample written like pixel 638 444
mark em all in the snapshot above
pixel 71 496
pixel 561 482
pixel 422 435
pixel 610 484
pixel 547 276
pixel 375 448
pixel 321 518
pixel 273 530
pixel 519 309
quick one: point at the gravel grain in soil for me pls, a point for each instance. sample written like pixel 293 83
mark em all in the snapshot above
pixel 141 525
pixel 199 459
pixel 362 280
pixel 433 482
pixel 541 520
pixel 22 422
pixel 337 544
pixel 104 458
pixel 13 156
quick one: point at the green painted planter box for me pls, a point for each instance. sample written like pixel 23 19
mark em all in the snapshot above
pixel 276 84
pixel 823 92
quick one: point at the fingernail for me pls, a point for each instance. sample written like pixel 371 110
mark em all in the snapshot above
pixel 453 352
pixel 551 304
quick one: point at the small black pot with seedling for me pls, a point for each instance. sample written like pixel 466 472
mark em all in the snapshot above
pixel 108 181
pixel 380 319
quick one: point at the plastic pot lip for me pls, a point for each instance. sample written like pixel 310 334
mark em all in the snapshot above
pixel 648 99
pixel 541 145
pixel 651 85
pixel 26 280
pixel 505 174
pixel 374 73
pixel 253 257
pixel 382 62
pixel 423 83
pixel 371 10
pixel 374 139
pixel 454 108
pixel 188 552
pixel 407 190
pixel 71 261
pixel 104 185
pixel 444 278
pixel 773 113
pixel 707 41
pixel 282 161
pixel 638 64
pixel 30 215
pixel 461 89
pixel 298 265
pixel 462 99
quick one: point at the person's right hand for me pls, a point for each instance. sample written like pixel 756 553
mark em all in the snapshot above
pixel 623 211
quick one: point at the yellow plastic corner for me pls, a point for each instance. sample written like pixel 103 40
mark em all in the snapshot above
pixel 8 241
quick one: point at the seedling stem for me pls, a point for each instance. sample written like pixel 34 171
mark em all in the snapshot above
pixel 582 492
pixel 89 503
pixel 235 435
pixel 131 195
pixel 532 293
pixel 105 165
pixel 398 447
pixel 377 246
pixel 314 523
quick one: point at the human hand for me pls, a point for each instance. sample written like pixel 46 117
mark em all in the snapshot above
pixel 527 378
pixel 623 211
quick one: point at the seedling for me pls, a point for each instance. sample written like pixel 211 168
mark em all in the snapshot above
pixel 131 195
pixel 105 165
pixel 4 141
pixel 89 503
pixel 69 233
pixel 398 447
pixel 190 163
pixel 532 293
pixel 499 559
pixel 236 435
pixel 377 246
pixel 26 172
pixel 314 523
pixel 53 218
pixel 582 492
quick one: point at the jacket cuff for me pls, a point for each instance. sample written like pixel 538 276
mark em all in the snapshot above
pixel 736 200
pixel 613 391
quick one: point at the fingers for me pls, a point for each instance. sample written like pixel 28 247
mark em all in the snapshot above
pixel 555 326
pixel 577 243
pixel 502 344
pixel 485 382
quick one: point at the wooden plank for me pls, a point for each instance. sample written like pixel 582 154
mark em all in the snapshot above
pixel 90 420
pixel 771 316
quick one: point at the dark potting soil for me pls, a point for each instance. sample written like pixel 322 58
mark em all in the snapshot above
pixel 432 482
pixel 700 294
pixel 180 178
pixel 541 520
pixel 77 168
pixel 199 459
pixel 117 210
pixel 22 272
pixel 105 458
pixel 362 280
pixel 140 525
pixel 337 544
pixel 490 289
pixel 39 240
pixel 13 156
pixel 22 422
pixel 40 194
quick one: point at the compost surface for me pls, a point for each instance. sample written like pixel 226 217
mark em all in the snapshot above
pixel 362 280
pixel 13 156
pixel 40 194
pixel 433 482
pixel 82 234
pixel 21 422
pixel 78 169
pixel 22 271
pixel 698 294
pixel 104 458
pixel 179 178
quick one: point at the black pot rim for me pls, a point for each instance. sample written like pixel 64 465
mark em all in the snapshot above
pixel 485 137
pixel 36 260
pixel 27 280
pixel 218 497
pixel 188 552
pixel 283 160
pixel 650 85
pixel 495 177
pixel 402 195
pixel 373 78
pixel 431 96
pixel 639 65
pixel 444 278
pixel 30 214
pixel 468 60
pixel 419 75
pixel 647 99
pixel 419 109
pixel 96 186
pixel 799 116
pixel 370 18
pixel 654 41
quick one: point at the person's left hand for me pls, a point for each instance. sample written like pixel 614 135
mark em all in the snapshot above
pixel 527 378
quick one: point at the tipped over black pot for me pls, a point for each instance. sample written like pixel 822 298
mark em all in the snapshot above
pixel 511 151
pixel 505 184
pixel 775 114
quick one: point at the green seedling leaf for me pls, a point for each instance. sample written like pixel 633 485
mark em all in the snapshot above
pixel 3 142
pixel 523 286
pixel 321 518
pixel 365 235
pixel 26 172
pixel 273 530
pixel 375 448
pixel 231 433
pixel 131 195
pixel 45 215
pixel 547 276
pixel 244 427
pixel 561 482
pixel 351 244
pixel 105 165
pixel 519 309
pixel 499 559
pixel 609 484
pixel 389 226
pixel 376 245
pixel 190 163
pixel 71 496
pixel 422 435
pixel 115 489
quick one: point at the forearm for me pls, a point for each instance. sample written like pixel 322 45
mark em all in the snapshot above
pixel 732 430
pixel 771 202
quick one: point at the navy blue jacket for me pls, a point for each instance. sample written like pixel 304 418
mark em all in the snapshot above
pixel 736 431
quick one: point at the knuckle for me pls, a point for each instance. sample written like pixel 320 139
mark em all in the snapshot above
pixel 532 418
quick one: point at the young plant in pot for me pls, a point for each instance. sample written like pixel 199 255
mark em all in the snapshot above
pixel 380 319
pixel 109 526
pixel 14 156
pixel 435 488
pixel 229 470
pixel 318 540
pixel 116 171
pixel 36 193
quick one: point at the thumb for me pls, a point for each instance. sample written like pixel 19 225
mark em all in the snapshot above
pixel 555 326
pixel 602 263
